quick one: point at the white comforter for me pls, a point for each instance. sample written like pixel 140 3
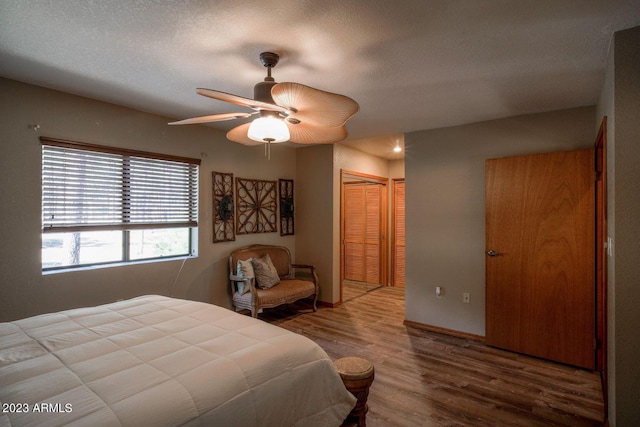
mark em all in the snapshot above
pixel 158 361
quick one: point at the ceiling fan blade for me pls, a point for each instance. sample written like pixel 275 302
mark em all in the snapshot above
pixel 314 105
pixel 239 100
pixel 212 118
pixel 307 133
pixel 239 134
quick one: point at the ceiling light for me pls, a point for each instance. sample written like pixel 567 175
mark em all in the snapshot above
pixel 268 129
pixel 397 149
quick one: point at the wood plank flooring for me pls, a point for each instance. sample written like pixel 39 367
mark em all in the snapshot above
pixel 352 289
pixel 428 379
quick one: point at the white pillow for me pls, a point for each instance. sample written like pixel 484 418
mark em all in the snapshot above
pixel 244 269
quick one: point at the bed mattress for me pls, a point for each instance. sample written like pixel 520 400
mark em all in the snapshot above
pixel 161 361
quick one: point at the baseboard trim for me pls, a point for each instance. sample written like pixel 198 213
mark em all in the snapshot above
pixel 445 331
pixel 329 304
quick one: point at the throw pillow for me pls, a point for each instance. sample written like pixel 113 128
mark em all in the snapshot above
pixel 244 269
pixel 265 272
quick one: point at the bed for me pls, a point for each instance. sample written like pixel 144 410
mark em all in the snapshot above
pixel 161 361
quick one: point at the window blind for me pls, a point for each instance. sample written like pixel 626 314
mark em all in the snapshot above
pixel 90 187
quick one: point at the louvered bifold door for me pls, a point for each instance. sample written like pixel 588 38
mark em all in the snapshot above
pixel 354 230
pixel 372 233
pixel 398 234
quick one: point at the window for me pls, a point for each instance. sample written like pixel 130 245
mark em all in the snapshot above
pixel 105 205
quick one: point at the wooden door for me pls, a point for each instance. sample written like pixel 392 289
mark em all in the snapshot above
pixel 354 233
pixel 364 257
pixel 540 256
pixel 398 223
pixel 373 234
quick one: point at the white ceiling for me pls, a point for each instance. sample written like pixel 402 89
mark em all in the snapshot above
pixel 411 65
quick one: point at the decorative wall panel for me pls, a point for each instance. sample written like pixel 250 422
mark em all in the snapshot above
pixel 285 188
pixel 256 206
pixel 223 217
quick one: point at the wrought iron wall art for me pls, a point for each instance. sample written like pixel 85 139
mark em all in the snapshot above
pixel 285 188
pixel 256 206
pixel 223 218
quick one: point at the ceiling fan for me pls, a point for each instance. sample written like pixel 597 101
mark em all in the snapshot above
pixel 288 112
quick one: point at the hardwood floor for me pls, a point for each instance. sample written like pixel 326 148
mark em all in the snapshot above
pixel 428 379
pixel 352 289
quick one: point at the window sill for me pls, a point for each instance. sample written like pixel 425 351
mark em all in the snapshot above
pixel 182 258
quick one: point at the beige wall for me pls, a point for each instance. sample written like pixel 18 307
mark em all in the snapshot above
pixel 445 207
pixel 314 213
pixel 24 290
pixel 396 169
pixel 620 102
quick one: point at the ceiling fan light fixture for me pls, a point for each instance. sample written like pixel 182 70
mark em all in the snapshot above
pixel 268 129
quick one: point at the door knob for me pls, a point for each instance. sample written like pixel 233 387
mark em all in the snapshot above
pixel 491 252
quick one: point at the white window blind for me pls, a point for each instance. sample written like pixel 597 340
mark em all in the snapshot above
pixel 90 187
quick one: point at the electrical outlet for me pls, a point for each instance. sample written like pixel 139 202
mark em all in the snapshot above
pixel 466 297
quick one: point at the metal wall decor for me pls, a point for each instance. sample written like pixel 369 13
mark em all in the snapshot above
pixel 256 206
pixel 223 218
pixel 285 188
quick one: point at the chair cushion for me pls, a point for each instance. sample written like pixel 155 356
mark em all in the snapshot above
pixel 287 291
pixel 265 272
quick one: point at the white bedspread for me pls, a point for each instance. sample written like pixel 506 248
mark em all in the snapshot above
pixel 158 361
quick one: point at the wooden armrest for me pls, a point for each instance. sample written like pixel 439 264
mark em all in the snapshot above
pixel 247 280
pixel 312 270
pixel 311 267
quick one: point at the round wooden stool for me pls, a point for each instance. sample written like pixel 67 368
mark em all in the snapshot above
pixel 357 375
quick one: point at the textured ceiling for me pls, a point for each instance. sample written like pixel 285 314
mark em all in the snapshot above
pixel 411 65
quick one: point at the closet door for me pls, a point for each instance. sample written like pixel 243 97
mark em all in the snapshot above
pixel 540 256
pixel 398 234
pixel 354 233
pixel 372 240
pixel 364 257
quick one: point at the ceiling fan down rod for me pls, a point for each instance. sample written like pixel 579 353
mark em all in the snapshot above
pixel 262 90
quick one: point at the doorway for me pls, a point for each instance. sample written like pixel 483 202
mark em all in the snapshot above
pixel 363 226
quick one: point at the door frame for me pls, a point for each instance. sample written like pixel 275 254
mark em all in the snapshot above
pixel 601 254
pixel 384 221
